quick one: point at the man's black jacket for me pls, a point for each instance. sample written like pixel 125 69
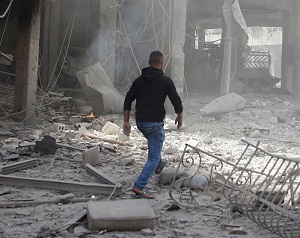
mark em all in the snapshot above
pixel 150 91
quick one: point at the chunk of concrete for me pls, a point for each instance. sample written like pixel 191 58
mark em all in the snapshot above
pixel 227 103
pixel 123 215
pixel 91 156
pixel 100 91
pixel 110 128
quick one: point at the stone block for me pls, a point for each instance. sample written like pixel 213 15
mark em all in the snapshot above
pixel 227 103
pixel 123 215
pixel 103 96
pixel 91 156
pixel 110 128
pixel 59 127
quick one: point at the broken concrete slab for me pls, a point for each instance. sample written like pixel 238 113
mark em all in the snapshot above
pixel 91 156
pixel 110 128
pixel 227 103
pixel 100 91
pixel 123 215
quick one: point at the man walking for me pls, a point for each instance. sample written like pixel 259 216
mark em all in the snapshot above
pixel 150 91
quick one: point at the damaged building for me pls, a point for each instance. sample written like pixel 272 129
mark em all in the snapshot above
pixel 65 66
pixel 234 47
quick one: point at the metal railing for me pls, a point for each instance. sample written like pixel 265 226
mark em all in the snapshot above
pixel 263 186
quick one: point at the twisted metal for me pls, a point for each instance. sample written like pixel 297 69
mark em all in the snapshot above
pixel 263 186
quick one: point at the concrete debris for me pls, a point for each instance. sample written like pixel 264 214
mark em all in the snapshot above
pixel 81 231
pixel 11 144
pixel 167 175
pixel 110 128
pixel 102 94
pixel 190 180
pixel 6 133
pixel 91 156
pixel 170 151
pixel 147 232
pixel 123 215
pixel 228 103
pixel 64 187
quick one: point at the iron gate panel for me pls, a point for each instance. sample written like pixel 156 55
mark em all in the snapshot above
pixel 263 186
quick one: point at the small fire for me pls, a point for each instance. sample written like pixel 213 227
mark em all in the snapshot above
pixel 91 115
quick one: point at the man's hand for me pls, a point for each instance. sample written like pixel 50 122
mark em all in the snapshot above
pixel 178 120
pixel 126 128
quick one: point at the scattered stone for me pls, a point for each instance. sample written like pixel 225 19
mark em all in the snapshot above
pixel 255 133
pixel 228 103
pixel 238 231
pixel 80 231
pixel 147 232
pixel 66 196
pixel 195 182
pixel 179 232
pixel 72 135
pixel 125 161
pixel 273 120
pixel 23 212
pixel 170 151
pixel 166 176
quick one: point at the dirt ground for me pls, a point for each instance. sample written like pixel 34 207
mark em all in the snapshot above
pixel 219 135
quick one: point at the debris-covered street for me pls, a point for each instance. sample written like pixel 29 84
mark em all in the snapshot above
pixel 167 118
pixel 37 212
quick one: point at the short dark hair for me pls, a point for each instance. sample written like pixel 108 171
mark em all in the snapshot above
pixel 156 57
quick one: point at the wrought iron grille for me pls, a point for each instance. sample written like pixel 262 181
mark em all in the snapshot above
pixel 263 186
pixel 256 60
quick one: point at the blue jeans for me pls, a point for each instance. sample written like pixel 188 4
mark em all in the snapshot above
pixel 155 135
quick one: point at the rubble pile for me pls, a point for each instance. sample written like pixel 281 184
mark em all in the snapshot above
pixel 55 172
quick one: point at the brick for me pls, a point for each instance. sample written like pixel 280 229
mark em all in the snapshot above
pixel 59 127
pixel 123 215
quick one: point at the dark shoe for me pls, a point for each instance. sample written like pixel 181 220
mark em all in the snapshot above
pixel 142 196
pixel 162 165
pixel 139 194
